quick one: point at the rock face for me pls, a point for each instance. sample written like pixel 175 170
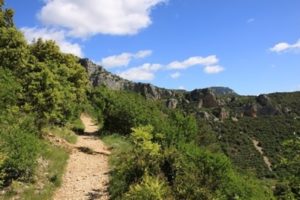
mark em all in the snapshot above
pixel 223 114
pixel 99 76
pixel 205 97
pixel 172 103
pixel 263 100
pixel 250 110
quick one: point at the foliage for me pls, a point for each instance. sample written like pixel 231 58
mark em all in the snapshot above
pixel 9 90
pixel 55 84
pixel 20 146
pixel 289 185
pixel 236 140
pixel 52 161
pixel 151 188
pixel 62 132
pixel 77 126
pixel 191 172
pixel 120 111
pixel 143 157
pixel 39 86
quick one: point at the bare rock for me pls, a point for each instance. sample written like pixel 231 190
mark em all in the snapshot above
pixel 263 100
pixel 172 103
pixel 251 110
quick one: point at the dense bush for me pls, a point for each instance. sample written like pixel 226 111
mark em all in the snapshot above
pixel 19 148
pixel 289 166
pixel 151 188
pixel 120 111
pixel 184 171
pixel 9 90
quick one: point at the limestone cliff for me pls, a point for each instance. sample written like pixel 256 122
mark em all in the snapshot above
pixel 222 102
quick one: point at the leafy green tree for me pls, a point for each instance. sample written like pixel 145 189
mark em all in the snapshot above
pixel 10 90
pixel 14 53
pixel 55 84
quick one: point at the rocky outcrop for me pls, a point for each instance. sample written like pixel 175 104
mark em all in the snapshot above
pixel 263 100
pixel 205 97
pixel 99 76
pixel 250 110
pixel 223 114
pixel 172 103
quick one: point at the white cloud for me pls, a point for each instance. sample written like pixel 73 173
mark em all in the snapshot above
pixel 123 59
pixel 181 88
pixel 175 75
pixel 213 69
pixel 116 61
pixel 192 61
pixel 284 47
pixel 58 36
pixel 146 72
pixel 89 17
pixel 143 54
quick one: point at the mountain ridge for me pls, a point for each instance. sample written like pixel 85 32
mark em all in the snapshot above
pixel 228 103
pixel 100 76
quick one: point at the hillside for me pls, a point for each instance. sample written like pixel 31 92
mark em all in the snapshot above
pixel 230 120
pixel 209 143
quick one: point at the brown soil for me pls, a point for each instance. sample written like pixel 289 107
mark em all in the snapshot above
pixel 86 176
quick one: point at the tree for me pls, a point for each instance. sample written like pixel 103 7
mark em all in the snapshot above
pixel 6 16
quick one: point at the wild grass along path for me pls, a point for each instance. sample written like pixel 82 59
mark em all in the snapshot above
pixel 86 176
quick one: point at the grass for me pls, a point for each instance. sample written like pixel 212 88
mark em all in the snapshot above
pixel 48 176
pixel 63 132
pixel 119 144
pixel 77 126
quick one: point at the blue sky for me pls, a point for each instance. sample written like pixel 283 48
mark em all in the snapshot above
pixel 251 46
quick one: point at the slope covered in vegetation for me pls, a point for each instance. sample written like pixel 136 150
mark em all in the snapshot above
pixel 194 151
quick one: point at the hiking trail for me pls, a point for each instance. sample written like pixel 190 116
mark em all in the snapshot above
pixel 86 176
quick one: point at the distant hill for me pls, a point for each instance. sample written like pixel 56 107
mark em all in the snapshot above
pixel 235 119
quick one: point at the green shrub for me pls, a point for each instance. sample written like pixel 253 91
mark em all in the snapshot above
pixel 150 188
pixel 20 146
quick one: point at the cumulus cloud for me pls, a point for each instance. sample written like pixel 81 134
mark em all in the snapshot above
pixel 89 17
pixel 192 61
pixel 213 69
pixel 146 72
pixel 143 54
pixel 181 88
pixel 58 36
pixel 123 59
pixel 175 75
pixel 284 47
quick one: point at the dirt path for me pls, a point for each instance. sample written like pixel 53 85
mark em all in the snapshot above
pixel 86 176
pixel 260 150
